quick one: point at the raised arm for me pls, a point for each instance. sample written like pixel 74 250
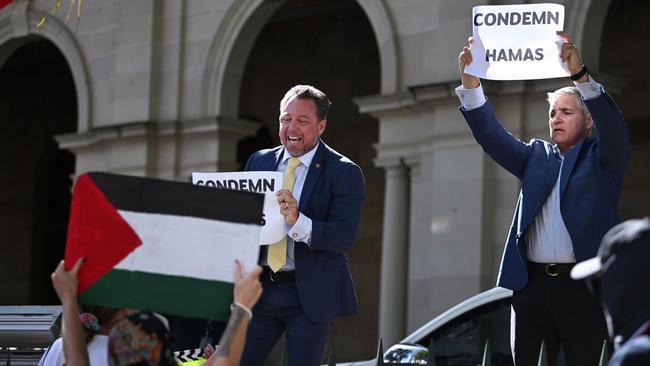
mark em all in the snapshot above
pixel 569 54
pixel 74 344
pixel 614 142
pixel 464 59
pixel 507 150
pixel 246 293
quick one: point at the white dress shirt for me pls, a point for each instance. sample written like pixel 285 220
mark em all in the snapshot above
pixel 97 352
pixel 548 238
pixel 301 229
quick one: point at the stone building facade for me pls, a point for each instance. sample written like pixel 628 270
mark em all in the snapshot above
pixel 161 88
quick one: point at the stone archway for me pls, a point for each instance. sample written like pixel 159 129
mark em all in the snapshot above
pixel 235 37
pixel 585 22
pixel 608 33
pixel 22 23
pixel 37 101
pixel 623 59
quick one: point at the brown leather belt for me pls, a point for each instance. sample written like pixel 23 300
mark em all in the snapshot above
pixel 550 269
pixel 278 277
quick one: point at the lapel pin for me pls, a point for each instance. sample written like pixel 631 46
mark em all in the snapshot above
pixel 317 165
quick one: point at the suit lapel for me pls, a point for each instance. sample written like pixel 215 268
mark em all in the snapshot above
pixel 313 173
pixel 278 157
pixel 568 164
pixel 549 170
pixel 269 164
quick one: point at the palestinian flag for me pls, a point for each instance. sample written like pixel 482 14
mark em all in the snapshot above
pixel 158 245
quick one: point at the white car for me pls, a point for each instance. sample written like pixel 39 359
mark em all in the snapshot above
pixel 458 336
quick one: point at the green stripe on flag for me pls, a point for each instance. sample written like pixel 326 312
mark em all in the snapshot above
pixel 166 294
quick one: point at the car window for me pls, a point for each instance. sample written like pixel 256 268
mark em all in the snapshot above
pixel 406 354
pixel 462 340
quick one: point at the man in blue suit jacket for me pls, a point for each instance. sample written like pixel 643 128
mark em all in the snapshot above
pixel 568 201
pixel 322 216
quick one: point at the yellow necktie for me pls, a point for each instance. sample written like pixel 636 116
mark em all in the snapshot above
pixel 277 253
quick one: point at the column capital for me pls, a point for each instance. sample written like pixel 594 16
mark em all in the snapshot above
pixel 391 164
pixel 77 140
pixel 383 103
pixel 222 125
pixel 413 162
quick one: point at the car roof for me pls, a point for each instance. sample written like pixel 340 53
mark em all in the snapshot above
pixel 487 297
pixel 494 294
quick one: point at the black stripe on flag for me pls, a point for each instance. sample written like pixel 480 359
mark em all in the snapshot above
pixel 175 198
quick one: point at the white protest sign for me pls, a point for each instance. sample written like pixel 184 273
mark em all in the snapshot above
pixel 517 42
pixel 262 182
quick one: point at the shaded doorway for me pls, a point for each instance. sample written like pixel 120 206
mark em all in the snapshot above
pixel 37 101
pixel 622 58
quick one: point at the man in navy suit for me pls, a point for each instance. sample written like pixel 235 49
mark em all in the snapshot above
pixel 322 212
pixel 568 201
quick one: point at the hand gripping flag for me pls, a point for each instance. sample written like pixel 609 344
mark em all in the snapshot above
pixel 162 246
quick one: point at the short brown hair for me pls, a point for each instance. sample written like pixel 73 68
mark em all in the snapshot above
pixel 309 92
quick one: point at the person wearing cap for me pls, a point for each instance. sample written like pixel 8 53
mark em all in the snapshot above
pixel 568 201
pixel 619 276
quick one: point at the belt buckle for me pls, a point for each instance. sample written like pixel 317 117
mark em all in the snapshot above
pixel 549 269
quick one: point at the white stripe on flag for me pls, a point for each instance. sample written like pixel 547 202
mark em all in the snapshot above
pixel 190 246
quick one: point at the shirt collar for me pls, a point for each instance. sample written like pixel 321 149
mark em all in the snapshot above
pixel 557 152
pixel 305 159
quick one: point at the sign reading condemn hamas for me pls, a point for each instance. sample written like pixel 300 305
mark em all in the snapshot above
pixel 261 182
pixel 517 42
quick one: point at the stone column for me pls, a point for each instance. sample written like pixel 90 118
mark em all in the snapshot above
pixel 392 299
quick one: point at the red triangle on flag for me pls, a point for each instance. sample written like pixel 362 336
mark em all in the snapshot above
pixel 97 232
pixel 4 3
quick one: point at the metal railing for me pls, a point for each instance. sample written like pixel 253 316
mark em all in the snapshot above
pixel 25 333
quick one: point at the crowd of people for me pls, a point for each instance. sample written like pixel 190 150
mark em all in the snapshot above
pixel 130 337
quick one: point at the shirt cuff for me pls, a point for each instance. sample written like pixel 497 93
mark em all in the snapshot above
pixel 589 89
pixel 471 98
pixel 301 229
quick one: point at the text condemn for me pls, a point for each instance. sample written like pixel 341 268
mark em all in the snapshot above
pixel 516 42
